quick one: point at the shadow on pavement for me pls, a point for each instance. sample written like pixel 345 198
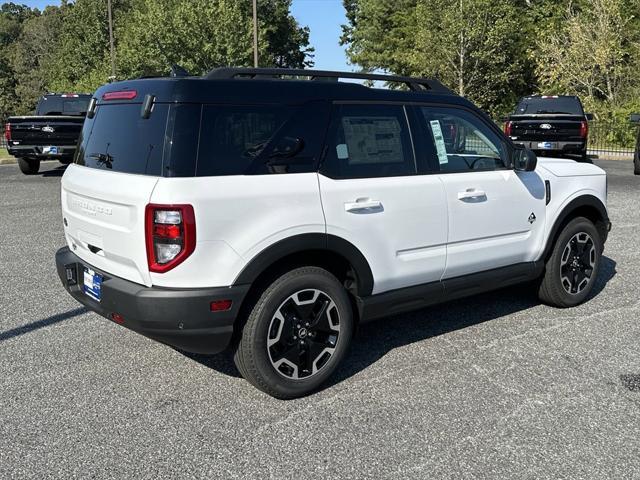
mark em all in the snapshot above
pixel 56 172
pixel 376 339
pixel 45 322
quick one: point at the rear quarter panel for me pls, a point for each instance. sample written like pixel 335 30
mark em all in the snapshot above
pixel 236 218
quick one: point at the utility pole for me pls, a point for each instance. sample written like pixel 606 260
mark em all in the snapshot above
pixel 255 33
pixel 113 53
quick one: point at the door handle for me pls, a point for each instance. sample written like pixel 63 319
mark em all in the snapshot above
pixel 471 193
pixel 363 204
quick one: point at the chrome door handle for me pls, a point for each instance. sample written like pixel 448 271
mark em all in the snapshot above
pixel 363 204
pixel 471 193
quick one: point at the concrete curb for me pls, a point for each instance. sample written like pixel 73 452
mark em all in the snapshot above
pixel 7 161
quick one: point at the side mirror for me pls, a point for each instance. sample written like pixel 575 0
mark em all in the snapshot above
pixel 524 160
pixel 634 118
pixel 287 147
pixel 589 116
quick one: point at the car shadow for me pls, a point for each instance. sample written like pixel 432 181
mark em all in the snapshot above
pixel 56 172
pixel 374 340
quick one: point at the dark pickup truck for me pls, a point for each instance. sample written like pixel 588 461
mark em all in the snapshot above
pixel 550 125
pixel 52 133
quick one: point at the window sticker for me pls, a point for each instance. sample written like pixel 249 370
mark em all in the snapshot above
pixel 373 140
pixel 439 139
pixel 342 151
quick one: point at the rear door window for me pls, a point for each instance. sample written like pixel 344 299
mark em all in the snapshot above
pixel 120 140
pixel 369 141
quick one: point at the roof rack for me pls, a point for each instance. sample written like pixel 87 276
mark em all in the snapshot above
pixel 416 84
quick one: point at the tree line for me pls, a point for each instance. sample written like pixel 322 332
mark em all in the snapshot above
pixel 65 48
pixel 492 51
pixel 495 51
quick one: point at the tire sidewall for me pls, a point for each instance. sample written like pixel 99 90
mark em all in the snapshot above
pixel 260 320
pixel 577 225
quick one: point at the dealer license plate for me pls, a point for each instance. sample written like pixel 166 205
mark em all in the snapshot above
pixel 50 150
pixel 547 146
pixel 92 284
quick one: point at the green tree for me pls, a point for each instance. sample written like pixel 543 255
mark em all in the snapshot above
pixel 474 46
pixel 594 52
pixel 32 55
pixel 202 34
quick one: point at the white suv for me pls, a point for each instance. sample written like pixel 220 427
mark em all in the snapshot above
pixel 274 215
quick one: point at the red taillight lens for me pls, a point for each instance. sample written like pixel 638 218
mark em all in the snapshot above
pixel 7 131
pixel 507 128
pixel 120 95
pixel 221 305
pixel 584 129
pixel 170 232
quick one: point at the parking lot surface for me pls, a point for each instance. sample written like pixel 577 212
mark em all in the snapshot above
pixel 494 386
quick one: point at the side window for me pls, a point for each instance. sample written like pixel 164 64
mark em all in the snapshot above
pixel 369 141
pixel 233 137
pixel 462 141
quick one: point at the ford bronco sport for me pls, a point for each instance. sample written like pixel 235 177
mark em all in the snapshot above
pixel 272 211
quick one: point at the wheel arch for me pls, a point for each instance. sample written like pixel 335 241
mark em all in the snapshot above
pixel 588 206
pixel 329 251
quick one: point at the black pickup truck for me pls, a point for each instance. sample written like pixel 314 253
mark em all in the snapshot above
pixel 52 133
pixel 550 125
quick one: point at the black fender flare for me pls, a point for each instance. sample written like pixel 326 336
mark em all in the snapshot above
pixel 582 201
pixel 310 241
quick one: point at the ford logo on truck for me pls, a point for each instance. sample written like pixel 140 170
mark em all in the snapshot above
pixel 546 126
pixel 48 129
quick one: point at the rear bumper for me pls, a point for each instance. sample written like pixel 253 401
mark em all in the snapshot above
pixel 566 147
pixel 178 317
pixel 35 151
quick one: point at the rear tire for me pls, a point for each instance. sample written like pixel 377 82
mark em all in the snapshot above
pixel 636 163
pixel 29 166
pixel 296 334
pixel 573 266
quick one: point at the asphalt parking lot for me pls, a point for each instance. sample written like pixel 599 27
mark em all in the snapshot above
pixel 495 386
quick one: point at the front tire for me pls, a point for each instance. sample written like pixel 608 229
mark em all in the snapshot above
pixel 29 166
pixel 573 267
pixel 636 163
pixel 296 334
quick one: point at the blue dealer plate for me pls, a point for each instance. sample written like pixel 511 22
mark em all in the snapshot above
pixel 547 146
pixel 92 284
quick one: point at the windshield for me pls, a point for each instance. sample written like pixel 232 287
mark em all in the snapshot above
pixel 542 105
pixel 58 105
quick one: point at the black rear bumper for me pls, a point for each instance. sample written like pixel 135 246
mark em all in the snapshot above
pixel 575 147
pixel 178 317
pixel 36 151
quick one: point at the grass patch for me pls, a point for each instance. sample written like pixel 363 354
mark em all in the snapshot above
pixel 4 154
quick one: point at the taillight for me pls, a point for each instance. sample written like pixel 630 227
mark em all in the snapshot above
pixel 507 128
pixel 120 95
pixel 7 131
pixel 584 129
pixel 170 232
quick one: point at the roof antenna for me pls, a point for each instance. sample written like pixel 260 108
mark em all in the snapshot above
pixel 178 71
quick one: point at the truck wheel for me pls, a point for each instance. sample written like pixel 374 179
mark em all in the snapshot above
pixel 296 334
pixel 573 267
pixel 29 166
pixel 636 163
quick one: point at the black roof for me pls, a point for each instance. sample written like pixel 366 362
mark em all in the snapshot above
pixel 244 85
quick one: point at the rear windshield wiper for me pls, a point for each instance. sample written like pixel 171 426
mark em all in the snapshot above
pixel 103 159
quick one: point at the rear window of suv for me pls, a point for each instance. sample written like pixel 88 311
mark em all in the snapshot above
pixel 185 140
pixel 549 105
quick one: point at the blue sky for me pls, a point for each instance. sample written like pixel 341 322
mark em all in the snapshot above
pixel 323 17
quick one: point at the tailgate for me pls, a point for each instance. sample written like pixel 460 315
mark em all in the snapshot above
pixel 546 129
pixel 104 211
pixel 54 130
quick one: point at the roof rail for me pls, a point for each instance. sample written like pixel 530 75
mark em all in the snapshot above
pixel 416 84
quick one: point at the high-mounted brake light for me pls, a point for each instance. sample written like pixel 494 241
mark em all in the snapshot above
pixel 7 131
pixel 584 129
pixel 507 128
pixel 170 233
pixel 120 95
pixel 72 95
